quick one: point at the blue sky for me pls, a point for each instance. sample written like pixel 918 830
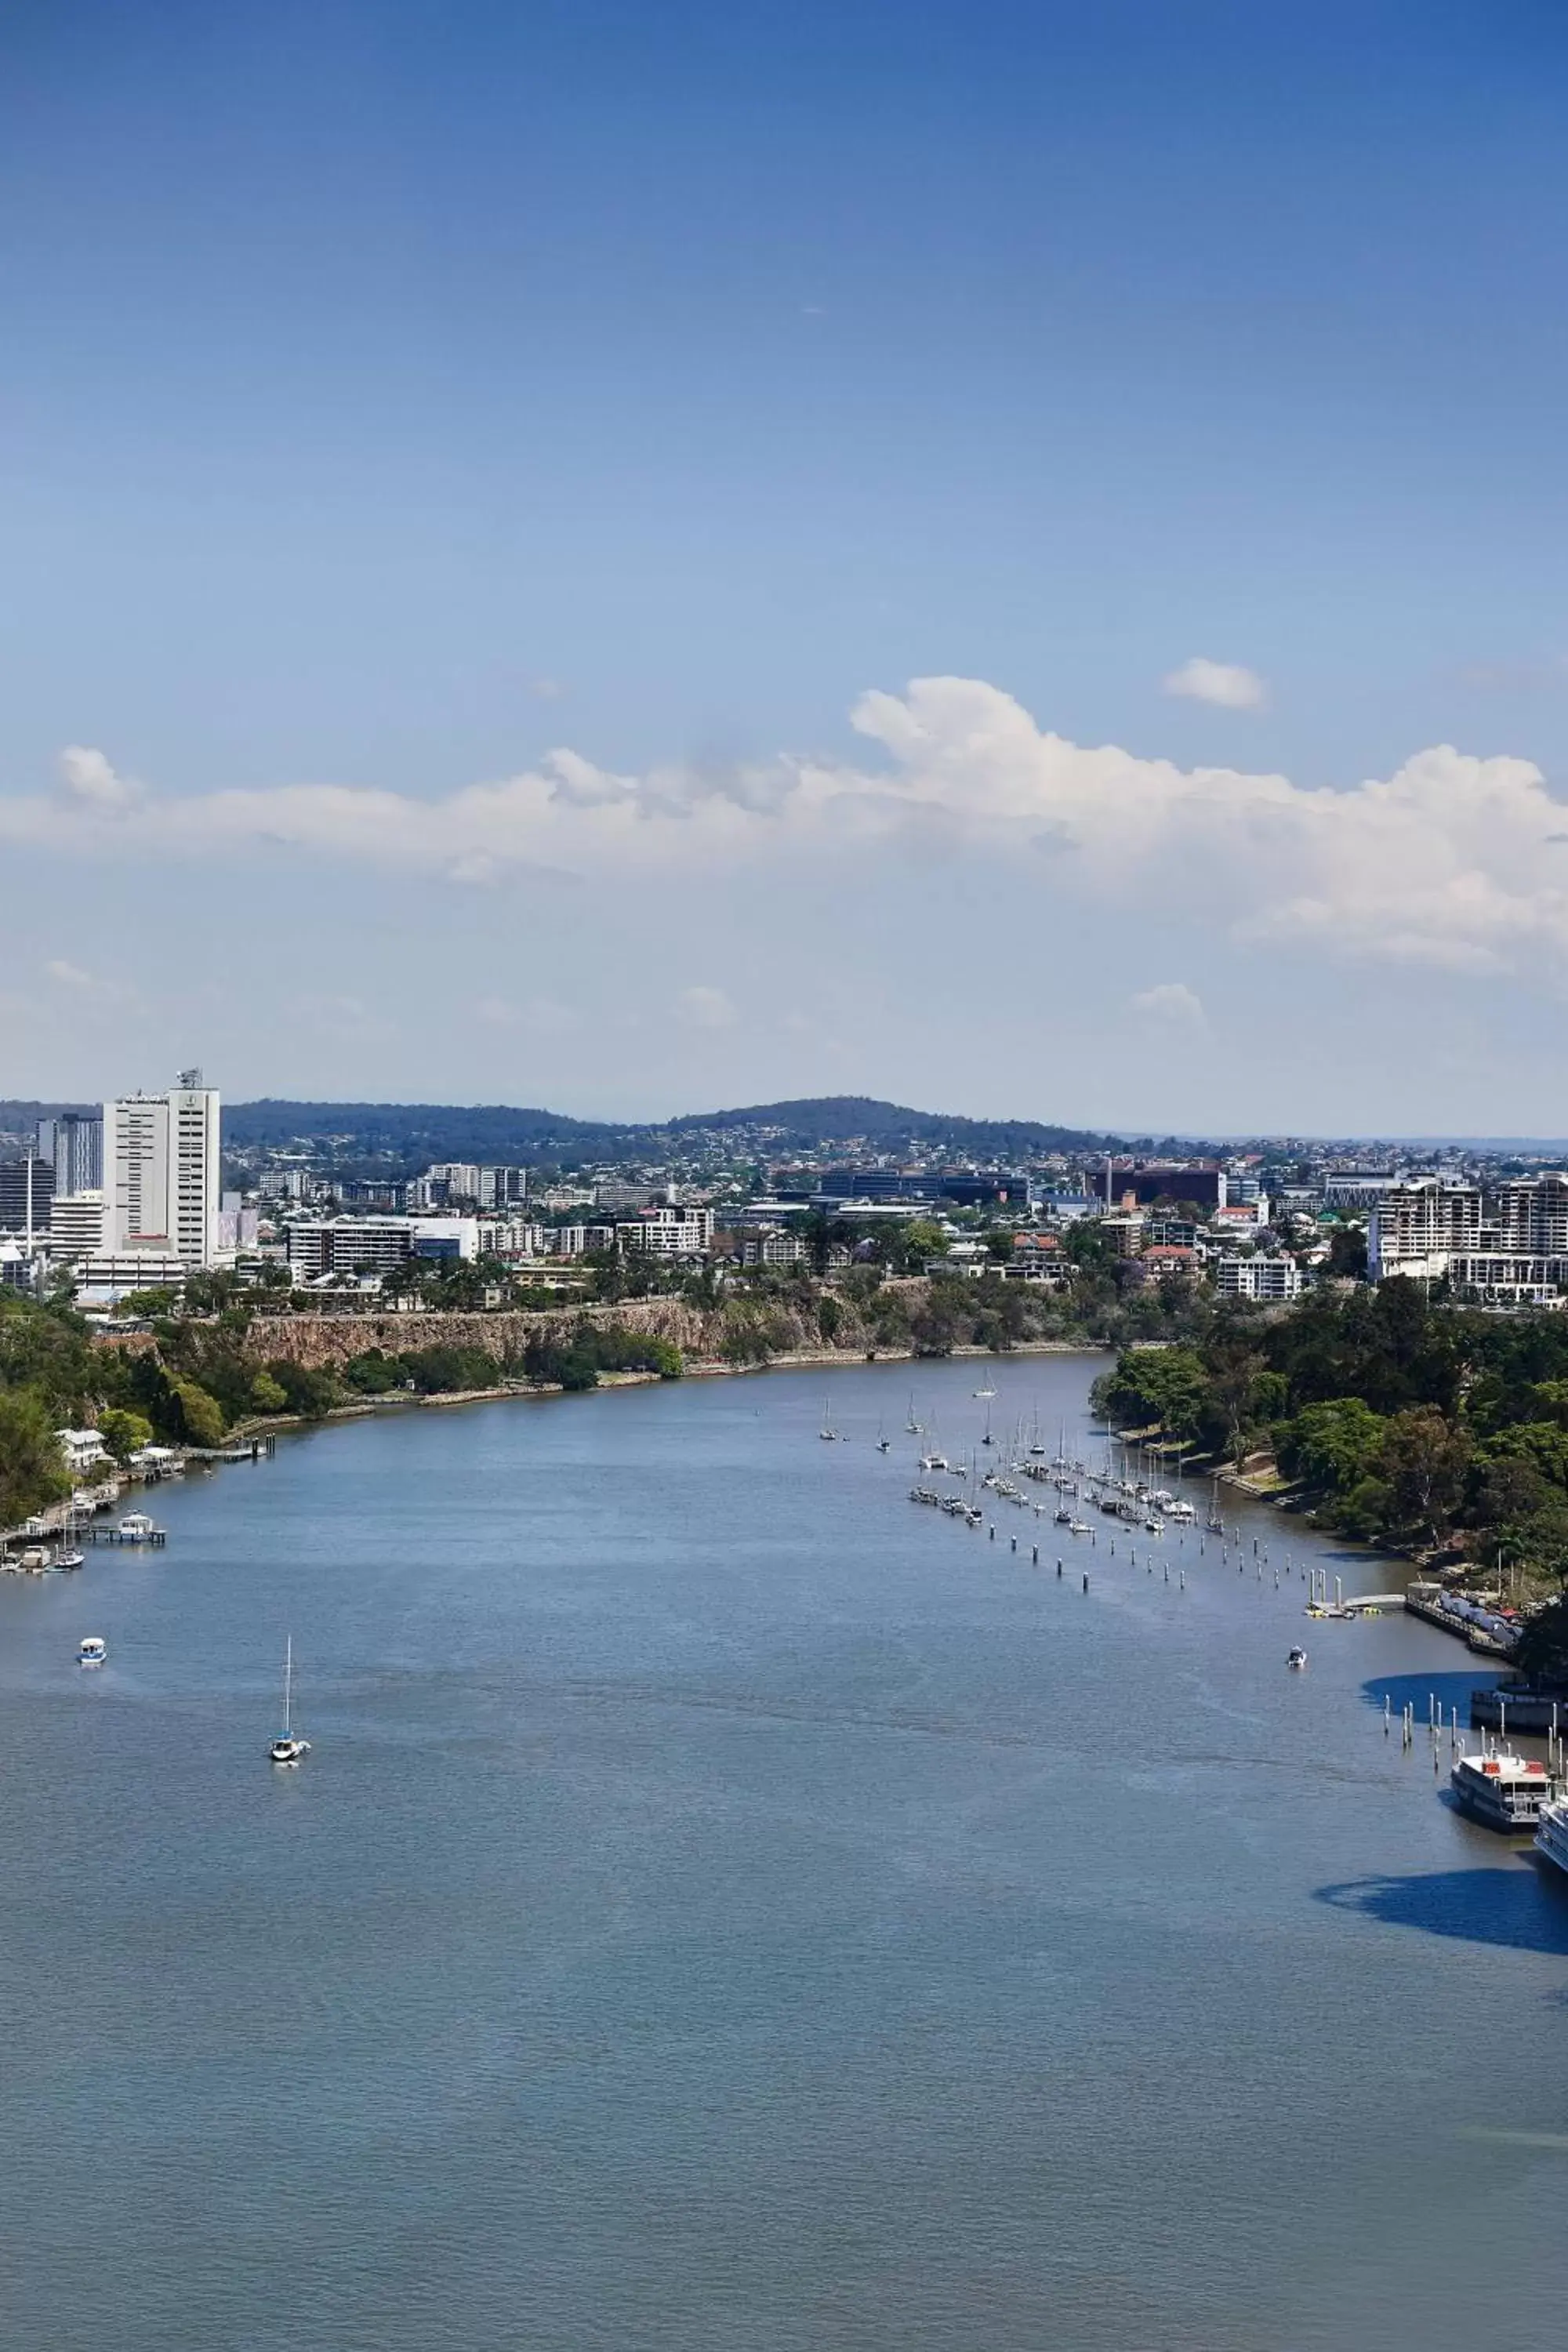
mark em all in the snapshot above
pixel 396 397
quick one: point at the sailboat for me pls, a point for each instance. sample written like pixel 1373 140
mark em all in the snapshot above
pixel 288 1748
pixel 883 1442
pixel 986 1390
pixel 988 1439
pixel 827 1431
pixel 912 1425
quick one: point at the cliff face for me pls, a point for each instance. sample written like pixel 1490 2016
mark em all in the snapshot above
pixel 328 1341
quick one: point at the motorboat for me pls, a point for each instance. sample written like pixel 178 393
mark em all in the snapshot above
pixel 1502 1789
pixel 1296 1660
pixel 92 1650
pixel 288 1748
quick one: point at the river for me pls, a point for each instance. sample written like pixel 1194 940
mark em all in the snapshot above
pixel 727 1908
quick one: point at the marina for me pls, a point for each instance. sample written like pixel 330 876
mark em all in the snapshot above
pixel 676 1783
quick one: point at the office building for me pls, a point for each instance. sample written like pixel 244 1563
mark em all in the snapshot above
pixel 73 1144
pixel 160 1165
pixel 27 1188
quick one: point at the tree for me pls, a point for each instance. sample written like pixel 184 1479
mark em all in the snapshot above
pixel 1331 1446
pixel 201 1415
pixel 1347 1252
pixel 267 1395
pixel 124 1433
pixel 32 1467
pixel 144 1303
pixel 1423 1460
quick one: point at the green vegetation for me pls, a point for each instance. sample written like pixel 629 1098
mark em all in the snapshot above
pixel 1402 1421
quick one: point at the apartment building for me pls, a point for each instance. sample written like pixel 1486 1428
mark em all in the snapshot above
pixel 1416 1227
pixel 669 1233
pixel 1257 1277
pixel 161 1171
pixel 315 1246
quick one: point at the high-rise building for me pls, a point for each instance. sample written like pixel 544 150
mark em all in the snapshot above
pixel 73 1143
pixel 27 1188
pixel 161 1171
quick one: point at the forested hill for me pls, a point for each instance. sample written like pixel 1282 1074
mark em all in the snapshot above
pixel 414 1133
pixel 817 1120
pixel 410 1135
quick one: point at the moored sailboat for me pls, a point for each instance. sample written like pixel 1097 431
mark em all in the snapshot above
pixel 287 1748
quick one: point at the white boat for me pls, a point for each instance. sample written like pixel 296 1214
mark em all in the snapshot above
pixel 986 1390
pixel 91 1651
pixel 134 1527
pixel 827 1432
pixel 67 1557
pixel 1504 1790
pixel 912 1425
pixel 1296 1660
pixel 288 1748
pixel 1552 1833
pixel 1079 1528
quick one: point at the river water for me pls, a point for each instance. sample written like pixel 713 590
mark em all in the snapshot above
pixel 728 1906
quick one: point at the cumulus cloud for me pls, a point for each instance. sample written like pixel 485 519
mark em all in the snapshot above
pixel 1225 684
pixel 1171 1003
pixel 87 778
pixel 705 1008
pixel 1454 862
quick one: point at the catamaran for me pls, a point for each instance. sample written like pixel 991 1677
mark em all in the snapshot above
pixel 288 1748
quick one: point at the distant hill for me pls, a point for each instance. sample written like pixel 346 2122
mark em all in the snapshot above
pixel 402 1136
pixel 410 1134
pixel 818 1120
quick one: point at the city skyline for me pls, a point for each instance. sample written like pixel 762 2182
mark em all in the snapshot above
pixel 625 565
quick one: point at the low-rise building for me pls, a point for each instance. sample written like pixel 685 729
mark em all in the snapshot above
pixel 84 1450
pixel 669 1233
pixel 1277 1277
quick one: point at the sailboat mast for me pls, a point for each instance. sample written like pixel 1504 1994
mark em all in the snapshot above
pixel 287 1680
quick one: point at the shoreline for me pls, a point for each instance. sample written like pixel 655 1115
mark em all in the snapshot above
pixel 703 1368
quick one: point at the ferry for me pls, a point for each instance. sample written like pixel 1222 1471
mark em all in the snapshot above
pixel 1552 1835
pixel 1504 1790
pixel 91 1651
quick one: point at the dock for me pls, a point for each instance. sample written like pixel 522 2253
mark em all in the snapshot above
pixel 1424 1600
pixel 1505 1709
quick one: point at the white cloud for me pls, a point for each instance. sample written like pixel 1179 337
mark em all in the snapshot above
pixel 1454 862
pixel 541 1014
pixel 705 1008
pixel 1225 684
pixel 86 777
pixel 1171 1003
pixel 85 985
